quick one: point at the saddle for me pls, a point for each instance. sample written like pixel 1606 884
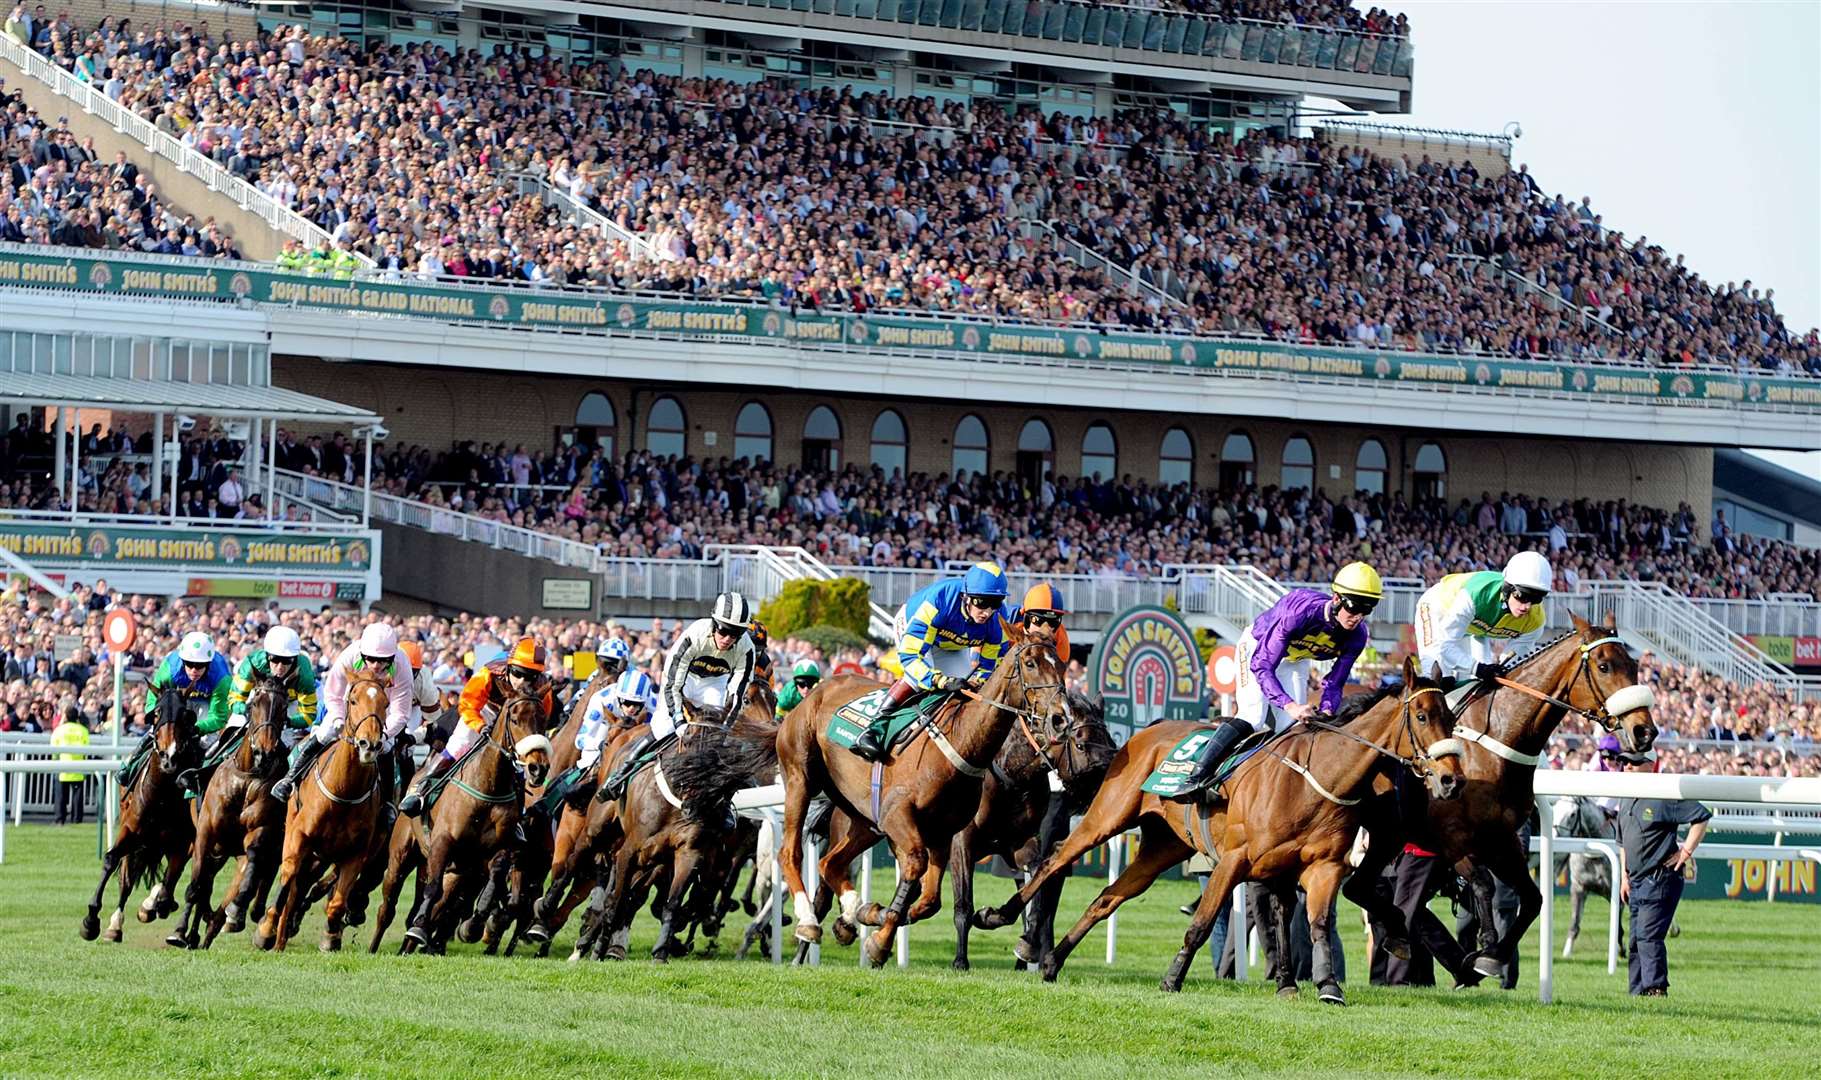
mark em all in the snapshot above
pixel 1168 778
pixel 435 788
pixel 900 724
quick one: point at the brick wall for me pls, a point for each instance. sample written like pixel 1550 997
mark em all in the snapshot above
pixel 436 407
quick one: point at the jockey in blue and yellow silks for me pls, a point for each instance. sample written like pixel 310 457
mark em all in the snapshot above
pixel 949 635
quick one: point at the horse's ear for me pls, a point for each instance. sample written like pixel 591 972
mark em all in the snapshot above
pixel 1581 625
pixel 1410 673
pixel 1611 621
pixel 1435 672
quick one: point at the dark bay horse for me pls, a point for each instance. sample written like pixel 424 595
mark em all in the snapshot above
pixel 927 790
pixel 155 828
pixel 1289 818
pixel 333 816
pixel 237 819
pixel 1587 671
pixel 453 845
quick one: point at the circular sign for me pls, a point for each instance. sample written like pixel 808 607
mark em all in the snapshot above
pixel 120 629
pixel 1223 670
pixel 1147 668
pixel 848 667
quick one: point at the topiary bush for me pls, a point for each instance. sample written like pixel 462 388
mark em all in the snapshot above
pixel 831 639
pixel 843 603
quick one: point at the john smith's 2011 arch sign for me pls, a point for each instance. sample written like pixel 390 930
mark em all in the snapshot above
pixel 1147 668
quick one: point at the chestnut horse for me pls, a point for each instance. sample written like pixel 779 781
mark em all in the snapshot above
pixel 155 827
pixel 476 818
pixel 238 819
pixel 927 791
pixel 1289 818
pixel 1586 671
pixel 333 816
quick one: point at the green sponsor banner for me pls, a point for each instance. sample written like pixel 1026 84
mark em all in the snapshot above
pixel 530 307
pixel 250 550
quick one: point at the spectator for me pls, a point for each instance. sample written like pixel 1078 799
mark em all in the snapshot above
pixel 71 732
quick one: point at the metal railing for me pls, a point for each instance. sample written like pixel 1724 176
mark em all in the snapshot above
pixel 1229 595
pixel 580 213
pixel 92 101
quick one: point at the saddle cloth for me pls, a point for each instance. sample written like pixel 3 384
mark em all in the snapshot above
pixel 869 710
pixel 1170 774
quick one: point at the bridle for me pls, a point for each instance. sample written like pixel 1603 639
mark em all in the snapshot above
pixel 275 715
pixel 1423 758
pixel 1626 699
pixel 1026 714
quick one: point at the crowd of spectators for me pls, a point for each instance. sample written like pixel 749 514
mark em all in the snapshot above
pixel 1708 725
pixel 832 200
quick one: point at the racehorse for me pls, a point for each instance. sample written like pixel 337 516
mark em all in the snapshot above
pixel 332 819
pixel 1585 671
pixel 155 827
pixel 236 818
pixel 476 817
pixel 1289 818
pixel 926 792
pixel 672 823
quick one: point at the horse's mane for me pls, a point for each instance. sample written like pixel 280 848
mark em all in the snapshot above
pixel 1542 647
pixel 710 765
pixel 1358 705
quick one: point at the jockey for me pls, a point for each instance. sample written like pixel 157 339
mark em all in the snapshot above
pixel 1304 627
pixel 612 655
pixel 1462 615
pixel 202 675
pixel 803 678
pixel 940 629
pixel 709 667
pixel 522 673
pixel 377 650
pixel 629 702
pixel 280 657
pixel 1041 614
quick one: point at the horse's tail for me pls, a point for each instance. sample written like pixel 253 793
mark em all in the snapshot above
pixel 144 865
pixel 714 764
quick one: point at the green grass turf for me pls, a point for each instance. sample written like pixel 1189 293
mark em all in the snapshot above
pixel 1744 977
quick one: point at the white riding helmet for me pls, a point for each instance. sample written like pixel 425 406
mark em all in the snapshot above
pixel 1530 570
pixel 196 648
pixel 283 643
pixel 379 641
pixel 730 609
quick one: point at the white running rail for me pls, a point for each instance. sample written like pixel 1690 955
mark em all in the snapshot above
pixel 92 101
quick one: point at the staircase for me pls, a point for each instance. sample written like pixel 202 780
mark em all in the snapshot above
pixel 1224 598
pixel 579 213
pixel 1679 629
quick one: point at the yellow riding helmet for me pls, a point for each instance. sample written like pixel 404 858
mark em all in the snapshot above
pixel 1359 579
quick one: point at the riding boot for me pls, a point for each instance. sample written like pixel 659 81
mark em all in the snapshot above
pixel 301 758
pixel 413 802
pixel 1213 753
pixel 870 746
pixel 616 782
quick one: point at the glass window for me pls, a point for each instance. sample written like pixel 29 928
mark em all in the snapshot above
pixel 1369 467
pixel 1299 464
pixel 822 424
pixel 752 433
pixel 970 446
pixel 664 432
pixel 1036 437
pixel 1099 453
pixel 1431 471
pixel 596 410
pixel 1237 462
pixel 1176 458
pixel 890 442
pixel 822 440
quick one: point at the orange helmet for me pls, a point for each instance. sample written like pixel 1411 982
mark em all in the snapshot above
pixel 1044 597
pixel 413 652
pixel 527 654
pixel 760 636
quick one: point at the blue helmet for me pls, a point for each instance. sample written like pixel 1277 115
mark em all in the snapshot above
pixel 633 685
pixel 984 579
pixel 614 649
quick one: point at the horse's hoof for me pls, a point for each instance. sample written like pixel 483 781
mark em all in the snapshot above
pixel 1331 994
pixel 112 934
pixel 537 932
pixel 1488 966
pixel 750 908
pixel 469 931
pixel 1288 993
pixel 959 963
pixel 1567 948
pixel 871 915
pixel 845 932
pixel 330 943
pixel 990 919
pixel 575 957
pixel 167 908
pixel 177 940
pixel 1171 984
pixel 1398 947
pixel 234 920
pixel 809 933
pixel 90 929
pixel 1049 969
pixel 875 953
pixel 615 952
pixel 1024 951
pixel 143 914
pixel 543 949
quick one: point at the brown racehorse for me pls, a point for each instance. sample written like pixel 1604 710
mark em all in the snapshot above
pixel 333 815
pixel 1586 671
pixel 1290 816
pixel 237 819
pixel 928 790
pixel 476 817
pixel 672 824
pixel 155 828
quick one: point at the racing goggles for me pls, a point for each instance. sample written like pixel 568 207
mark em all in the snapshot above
pixel 990 603
pixel 732 630
pixel 1528 595
pixel 1043 618
pixel 1358 605
pixel 522 673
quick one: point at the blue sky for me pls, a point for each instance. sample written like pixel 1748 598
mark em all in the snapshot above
pixel 1696 124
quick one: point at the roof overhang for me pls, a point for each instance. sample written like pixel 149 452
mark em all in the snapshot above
pixel 205 399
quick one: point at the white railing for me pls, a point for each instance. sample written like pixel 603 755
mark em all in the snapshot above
pixel 1231 595
pixel 188 158
pixel 581 213
pixel 1087 594
pixel 1777 614
pixel 1685 632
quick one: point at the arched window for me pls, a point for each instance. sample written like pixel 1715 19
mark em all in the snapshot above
pixel 1299 464
pixel 1237 462
pixel 665 434
pixel 970 446
pixel 752 433
pixel 1176 458
pixel 822 440
pixel 1369 467
pixel 595 424
pixel 891 442
pixel 1099 453
pixel 1431 472
pixel 1036 452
